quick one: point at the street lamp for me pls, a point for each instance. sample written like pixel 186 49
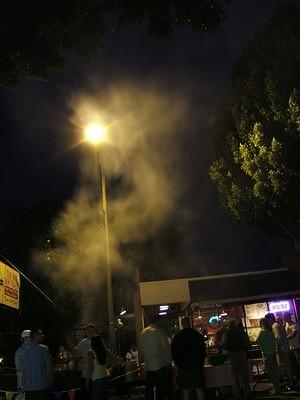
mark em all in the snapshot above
pixel 95 134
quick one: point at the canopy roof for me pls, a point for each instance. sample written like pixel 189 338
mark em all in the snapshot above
pixel 229 288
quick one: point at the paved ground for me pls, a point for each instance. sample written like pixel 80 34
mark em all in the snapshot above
pixel 261 393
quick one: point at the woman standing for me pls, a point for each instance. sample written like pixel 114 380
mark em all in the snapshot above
pixel 266 341
pixel 97 367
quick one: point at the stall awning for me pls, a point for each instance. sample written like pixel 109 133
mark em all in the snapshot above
pixel 245 287
pixel 164 292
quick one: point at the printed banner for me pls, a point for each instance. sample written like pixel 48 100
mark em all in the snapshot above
pixel 9 286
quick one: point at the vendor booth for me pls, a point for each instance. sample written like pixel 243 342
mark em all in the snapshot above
pixel 211 300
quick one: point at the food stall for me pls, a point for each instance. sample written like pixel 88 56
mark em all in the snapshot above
pixel 211 300
pixel 245 296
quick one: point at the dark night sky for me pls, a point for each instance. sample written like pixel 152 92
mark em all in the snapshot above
pixel 35 167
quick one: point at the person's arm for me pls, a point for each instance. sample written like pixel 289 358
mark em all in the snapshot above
pixel 19 370
pixel 90 364
pixel 292 332
pixel 258 339
pixel 111 359
pixel 224 341
pixel 165 347
pixel 276 331
pixel 174 349
pixel 49 364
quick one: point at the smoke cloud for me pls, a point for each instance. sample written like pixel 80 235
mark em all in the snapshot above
pixel 141 160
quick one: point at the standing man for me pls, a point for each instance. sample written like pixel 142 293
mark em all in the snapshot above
pixel 19 358
pixel 155 348
pixel 292 333
pixel 37 368
pixel 236 342
pixel 267 343
pixel 188 352
pixel 83 348
pixel 282 345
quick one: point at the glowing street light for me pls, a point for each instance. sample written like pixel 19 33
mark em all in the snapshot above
pixel 95 134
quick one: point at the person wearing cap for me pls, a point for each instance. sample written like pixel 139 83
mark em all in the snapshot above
pixel 19 358
pixel 38 377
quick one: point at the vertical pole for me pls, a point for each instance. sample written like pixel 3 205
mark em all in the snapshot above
pixel 138 312
pixel 110 304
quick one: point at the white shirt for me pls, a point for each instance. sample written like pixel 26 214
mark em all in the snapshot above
pixel 156 348
pixel 83 348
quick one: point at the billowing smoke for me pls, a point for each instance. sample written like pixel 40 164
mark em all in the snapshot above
pixel 141 160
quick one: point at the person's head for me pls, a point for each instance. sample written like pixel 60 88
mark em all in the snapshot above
pixel 271 318
pixel 154 320
pixel 287 318
pixel 264 323
pixel 91 330
pixel 185 322
pixel 37 336
pixel 232 323
pixel 25 336
pixel 99 349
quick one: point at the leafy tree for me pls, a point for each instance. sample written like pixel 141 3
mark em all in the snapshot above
pixel 257 134
pixel 35 36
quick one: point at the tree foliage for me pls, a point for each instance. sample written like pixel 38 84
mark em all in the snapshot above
pixel 36 35
pixel 257 134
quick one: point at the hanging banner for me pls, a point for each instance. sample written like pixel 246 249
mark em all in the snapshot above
pixel 9 286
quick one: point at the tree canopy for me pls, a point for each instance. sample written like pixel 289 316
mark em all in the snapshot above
pixel 257 134
pixel 35 36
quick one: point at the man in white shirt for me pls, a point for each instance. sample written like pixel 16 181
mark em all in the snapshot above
pixel 156 351
pixel 83 348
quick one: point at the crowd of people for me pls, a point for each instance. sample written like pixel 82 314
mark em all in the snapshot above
pixel 186 351
pixel 34 365
pixel 278 340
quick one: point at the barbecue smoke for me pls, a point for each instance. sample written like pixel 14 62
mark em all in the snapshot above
pixel 141 160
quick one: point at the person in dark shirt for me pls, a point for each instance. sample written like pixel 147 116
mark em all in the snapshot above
pixel 188 352
pixel 236 342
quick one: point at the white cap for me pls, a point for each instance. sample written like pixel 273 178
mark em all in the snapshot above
pixel 25 334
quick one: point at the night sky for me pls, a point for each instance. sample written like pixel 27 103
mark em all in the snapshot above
pixel 35 165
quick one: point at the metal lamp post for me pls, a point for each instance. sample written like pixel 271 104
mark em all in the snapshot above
pixel 95 134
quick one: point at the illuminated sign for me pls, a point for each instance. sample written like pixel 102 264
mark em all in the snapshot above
pixel 279 306
pixel 9 286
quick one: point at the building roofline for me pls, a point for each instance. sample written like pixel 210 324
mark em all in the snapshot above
pixel 249 298
pixel 219 276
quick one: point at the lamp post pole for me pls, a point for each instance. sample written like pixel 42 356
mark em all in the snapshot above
pixel 95 134
pixel 109 291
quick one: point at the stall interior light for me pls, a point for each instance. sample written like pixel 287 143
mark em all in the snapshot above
pixel 163 313
pixel 163 308
pixel 214 319
pixel 223 314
